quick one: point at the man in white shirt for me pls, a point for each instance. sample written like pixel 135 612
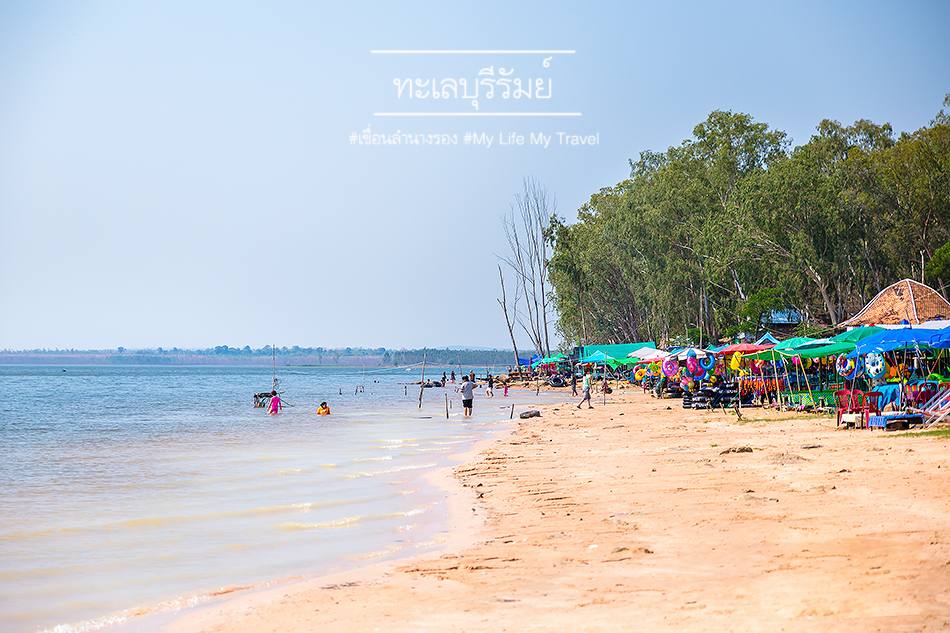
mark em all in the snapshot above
pixel 586 385
pixel 468 395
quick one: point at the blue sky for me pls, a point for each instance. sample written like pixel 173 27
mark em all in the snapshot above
pixel 180 174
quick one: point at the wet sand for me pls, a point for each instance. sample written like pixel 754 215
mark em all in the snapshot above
pixel 635 516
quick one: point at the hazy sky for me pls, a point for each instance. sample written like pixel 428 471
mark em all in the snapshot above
pixel 181 173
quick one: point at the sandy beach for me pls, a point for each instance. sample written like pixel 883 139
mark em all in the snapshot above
pixel 639 515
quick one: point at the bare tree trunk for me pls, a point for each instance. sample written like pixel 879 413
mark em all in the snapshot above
pixel 526 228
pixel 509 319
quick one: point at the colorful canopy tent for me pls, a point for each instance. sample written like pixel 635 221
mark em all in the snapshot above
pixel 785 347
pixel 524 362
pixel 894 340
pixel 621 350
pixel 745 348
pixel 683 354
pixel 550 360
pixel 767 339
pixel 905 301
pixel 598 358
pixel 839 344
pixel 647 354
pixel 940 339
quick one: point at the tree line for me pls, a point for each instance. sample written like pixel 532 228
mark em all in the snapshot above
pixel 703 239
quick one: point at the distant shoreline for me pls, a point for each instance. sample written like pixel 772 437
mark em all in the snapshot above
pixel 435 358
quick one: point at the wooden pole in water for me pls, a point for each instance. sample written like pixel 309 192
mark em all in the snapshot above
pixel 446 406
pixel 422 384
pixel 512 414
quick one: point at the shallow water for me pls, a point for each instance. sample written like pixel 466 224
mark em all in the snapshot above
pixel 134 486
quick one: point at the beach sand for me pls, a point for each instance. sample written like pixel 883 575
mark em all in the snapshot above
pixel 632 516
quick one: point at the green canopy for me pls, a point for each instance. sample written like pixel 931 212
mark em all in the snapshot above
pixel 597 357
pixel 548 360
pixel 784 347
pixel 620 362
pixel 620 350
pixel 839 344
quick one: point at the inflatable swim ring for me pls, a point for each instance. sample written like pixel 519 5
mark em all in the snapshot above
pixel 874 365
pixel 670 366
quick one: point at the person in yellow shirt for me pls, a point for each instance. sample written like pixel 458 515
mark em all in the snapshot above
pixel 323 409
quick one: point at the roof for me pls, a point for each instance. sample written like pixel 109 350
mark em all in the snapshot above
pixel 907 300
pixel 789 316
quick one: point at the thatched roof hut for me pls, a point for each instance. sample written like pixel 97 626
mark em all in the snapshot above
pixel 905 300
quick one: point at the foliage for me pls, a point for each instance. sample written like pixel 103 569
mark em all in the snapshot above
pixel 702 239
pixel 938 268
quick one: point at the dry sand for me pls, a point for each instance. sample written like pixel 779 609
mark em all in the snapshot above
pixel 631 517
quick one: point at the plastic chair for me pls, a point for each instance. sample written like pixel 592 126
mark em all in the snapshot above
pixel 857 406
pixel 872 404
pixel 842 403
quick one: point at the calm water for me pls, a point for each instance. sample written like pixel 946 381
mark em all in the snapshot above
pixel 141 486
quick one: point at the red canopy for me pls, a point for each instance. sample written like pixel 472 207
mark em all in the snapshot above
pixel 745 348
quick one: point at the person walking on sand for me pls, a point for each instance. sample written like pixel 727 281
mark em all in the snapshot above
pixel 573 383
pixel 586 386
pixel 275 404
pixel 506 388
pixel 489 391
pixel 468 395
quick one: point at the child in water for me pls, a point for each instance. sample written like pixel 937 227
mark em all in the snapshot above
pixel 323 409
pixel 275 404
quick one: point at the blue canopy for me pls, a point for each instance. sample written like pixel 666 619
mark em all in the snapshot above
pixel 895 339
pixel 940 339
pixel 766 339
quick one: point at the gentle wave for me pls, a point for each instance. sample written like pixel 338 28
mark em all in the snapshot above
pixel 389 471
pixel 351 520
pixel 160 521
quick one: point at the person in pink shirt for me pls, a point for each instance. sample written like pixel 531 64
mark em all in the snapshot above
pixel 275 404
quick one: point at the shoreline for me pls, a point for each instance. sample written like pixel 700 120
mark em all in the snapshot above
pixel 810 527
pixel 460 528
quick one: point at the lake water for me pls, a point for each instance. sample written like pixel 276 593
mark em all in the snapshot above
pixel 150 486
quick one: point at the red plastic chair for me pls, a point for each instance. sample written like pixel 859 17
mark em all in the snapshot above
pixel 872 404
pixel 843 403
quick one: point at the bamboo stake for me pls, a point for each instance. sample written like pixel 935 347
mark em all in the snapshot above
pixel 422 384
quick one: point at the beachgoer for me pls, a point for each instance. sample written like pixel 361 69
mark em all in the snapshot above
pixel 323 409
pixel 443 379
pixel 275 404
pixel 491 384
pixel 468 395
pixel 586 386
pixel 452 377
pixel 573 384
pixel 506 388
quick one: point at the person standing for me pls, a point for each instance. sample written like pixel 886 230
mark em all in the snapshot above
pixel 468 395
pixel 573 383
pixel 275 404
pixel 453 376
pixel 586 386
pixel 489 391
